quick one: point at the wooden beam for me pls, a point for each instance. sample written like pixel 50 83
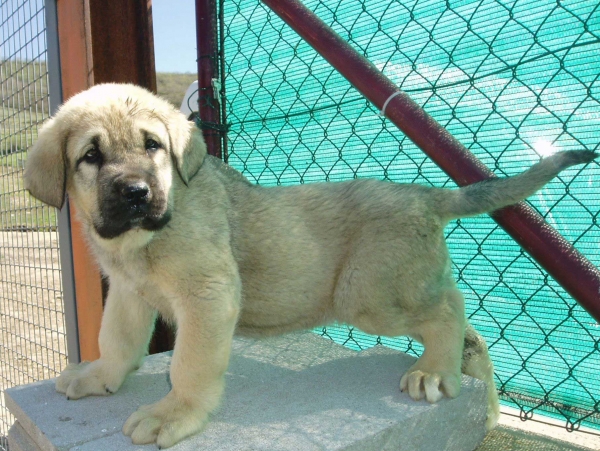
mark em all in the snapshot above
pixel 122 42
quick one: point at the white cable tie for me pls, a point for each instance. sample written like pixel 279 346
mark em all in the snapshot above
pixel 382 112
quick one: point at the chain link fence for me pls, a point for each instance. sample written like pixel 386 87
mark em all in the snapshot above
pixel 514 81
pixel 32 332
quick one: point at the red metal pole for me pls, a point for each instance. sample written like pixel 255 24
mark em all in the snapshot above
pixel 208 70
pixel 578 276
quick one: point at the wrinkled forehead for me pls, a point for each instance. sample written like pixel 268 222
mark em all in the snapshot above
pixel 120 126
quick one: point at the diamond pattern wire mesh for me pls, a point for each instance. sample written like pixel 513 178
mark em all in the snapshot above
pixel 32 333
pixel 513 81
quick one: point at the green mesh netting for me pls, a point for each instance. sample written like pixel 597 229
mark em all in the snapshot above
pixel 513 81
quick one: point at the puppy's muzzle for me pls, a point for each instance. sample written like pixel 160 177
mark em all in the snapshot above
pixel 136 195
pixel 128 201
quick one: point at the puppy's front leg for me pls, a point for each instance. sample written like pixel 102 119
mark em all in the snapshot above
pixel 205 327
pixel 127 324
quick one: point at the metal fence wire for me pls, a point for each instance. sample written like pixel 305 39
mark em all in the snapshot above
pixel 32 334
pixel 514 81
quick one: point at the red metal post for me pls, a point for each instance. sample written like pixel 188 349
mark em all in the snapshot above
pixel 578 276
pixel 208 73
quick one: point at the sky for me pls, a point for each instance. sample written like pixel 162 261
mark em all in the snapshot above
pixel 174 24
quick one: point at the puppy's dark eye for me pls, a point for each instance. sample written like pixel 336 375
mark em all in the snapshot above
pixel 152 145
pixel 92 156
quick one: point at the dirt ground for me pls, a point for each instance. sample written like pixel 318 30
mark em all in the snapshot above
pixel 32 329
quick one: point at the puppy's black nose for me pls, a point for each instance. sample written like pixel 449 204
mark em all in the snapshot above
pixel 136 194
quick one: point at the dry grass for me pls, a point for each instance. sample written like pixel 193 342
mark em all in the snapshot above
pixel 24 91
pixel 172 87
pixel 18 209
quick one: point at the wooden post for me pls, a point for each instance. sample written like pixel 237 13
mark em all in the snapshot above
pixel 100 41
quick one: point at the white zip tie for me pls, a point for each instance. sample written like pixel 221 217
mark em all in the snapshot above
pixel 382 112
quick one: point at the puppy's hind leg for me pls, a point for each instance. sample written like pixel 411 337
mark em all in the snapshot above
pixel 476 363
pixel 437 372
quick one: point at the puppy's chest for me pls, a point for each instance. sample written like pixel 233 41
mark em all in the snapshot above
pixel 138 272
pixel 135 270
pixel 133 265
pixel 142 281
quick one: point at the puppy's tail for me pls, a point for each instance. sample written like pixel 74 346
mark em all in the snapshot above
pixel 495 193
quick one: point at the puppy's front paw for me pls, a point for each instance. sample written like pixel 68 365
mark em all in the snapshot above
pixel 85 379
pixel 166 422
pixel 432 386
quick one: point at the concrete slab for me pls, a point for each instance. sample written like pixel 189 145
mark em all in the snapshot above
pixel 20 440
pixel 297 392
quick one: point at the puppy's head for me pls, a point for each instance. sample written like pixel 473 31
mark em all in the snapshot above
pixel 116 150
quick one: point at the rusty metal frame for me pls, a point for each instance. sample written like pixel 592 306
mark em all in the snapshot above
pixel 210 89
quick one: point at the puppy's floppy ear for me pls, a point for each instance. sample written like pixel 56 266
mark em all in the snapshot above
pixel 187 146
pixel 45 169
